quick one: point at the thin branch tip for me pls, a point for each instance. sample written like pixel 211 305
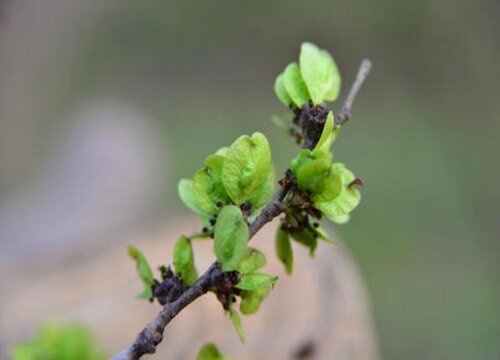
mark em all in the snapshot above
pixel 345 113
pixel 367 64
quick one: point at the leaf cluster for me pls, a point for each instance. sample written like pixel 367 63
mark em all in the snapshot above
pixel 226 192
pixel 236 182
pixel 323 188
pixel 316 78
pixel 241 175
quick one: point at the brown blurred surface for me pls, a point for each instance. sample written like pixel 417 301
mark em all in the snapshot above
pixel 322 304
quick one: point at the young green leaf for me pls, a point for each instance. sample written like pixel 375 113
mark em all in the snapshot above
pixel 315 71
pixel 302 158
pixel 313 168
pixel 346 201
pixel 284 249
pixel 144 271
pixel 341 219
pixel 208 189
pixel 236 320
pixel 328 188
pixel 246 169
pixel 307 238
pixel 321 234
pixel 210 352
pixel 314 174
pixel 222 151
pixel 295 85
pixel 252 261
pixel 54 341
pixel 252 299
pixel 279 89
pixel 185 190
pixel 335 81
pixel 230 237
pixel 328 135
pixel 319 73
pixel 266 191
pixel 310 176
pixel 255 281
pixel 184 260
pixel 146 294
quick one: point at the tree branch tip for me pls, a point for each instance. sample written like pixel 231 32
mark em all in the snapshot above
pixel 367 64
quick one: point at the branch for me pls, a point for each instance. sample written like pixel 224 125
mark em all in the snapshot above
pixel 345 113
pixel 152 334
pixel 149 338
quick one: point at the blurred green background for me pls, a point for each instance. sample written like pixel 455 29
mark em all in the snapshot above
pixel 424 133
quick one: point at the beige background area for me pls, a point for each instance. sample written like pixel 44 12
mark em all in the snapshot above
pixel 323 303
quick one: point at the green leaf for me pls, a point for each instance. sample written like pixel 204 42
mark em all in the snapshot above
pixel 236 320
pixel 334 89
pixel 255 281
pixel 341 219
pixel 146 294
pixel 284 249
pixel 266 191
pixel 318 179
pixel 208 189
pixel 252 299
pixel 230 237
pixel 319 73
pixel 144 271
pixel 295 85
pixel 279 89
pixel 313 168
pixel 222 151
pixel 328 188
pixel 346 201
pixel 185 190
pixel 328 135
pixel 307 238
pixel 252 261
pixel 54 341
pixel 315 71
pixel 210 352
pixel 322 234
pixel 302 158
pixel 184 260
pixel 246 169
pixel 310 176
pixel 203 188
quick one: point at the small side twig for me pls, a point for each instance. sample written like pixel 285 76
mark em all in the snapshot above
pixel 345 113
pixel 152 334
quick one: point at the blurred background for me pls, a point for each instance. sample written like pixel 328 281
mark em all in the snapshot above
pixel 105 105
